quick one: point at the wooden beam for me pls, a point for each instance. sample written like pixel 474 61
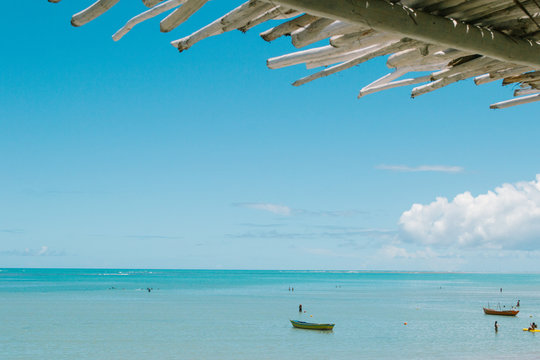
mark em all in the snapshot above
pixel 424 55
pixel 212 29
pixel 239 17
pixel 151 3
pixel 529 91
pixel 288 27
pixel 148 14
pixel 341 57
pixel 250 11
pixel 386 16
pixel 455 77
pixel 378 50
pixel 299 57
pixel 268 15
pixel 388 78
pixel 361 39
pixel 517 101
pixel 496 75
pixel 481 61
pixel 181 14
pixel 532 76
pixel 93 11
pixel 385 86
pixel 304 37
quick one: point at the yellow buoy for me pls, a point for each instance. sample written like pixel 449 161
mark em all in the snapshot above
pixel 310 315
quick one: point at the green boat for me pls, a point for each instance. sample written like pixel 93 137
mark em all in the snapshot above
pixel 311 326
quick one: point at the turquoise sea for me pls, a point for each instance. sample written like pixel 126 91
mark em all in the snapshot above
pixel 206 314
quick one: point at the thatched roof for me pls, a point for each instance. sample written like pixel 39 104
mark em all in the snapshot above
pixel 445 41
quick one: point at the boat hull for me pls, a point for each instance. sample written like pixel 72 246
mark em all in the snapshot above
pixel 500 312
pixel 311 326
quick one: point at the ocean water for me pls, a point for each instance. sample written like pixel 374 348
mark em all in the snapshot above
pixel 197 314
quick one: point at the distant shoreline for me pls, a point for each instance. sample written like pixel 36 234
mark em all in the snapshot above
pixel 279 270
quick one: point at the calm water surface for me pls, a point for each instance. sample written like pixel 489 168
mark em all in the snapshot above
pixel 194 314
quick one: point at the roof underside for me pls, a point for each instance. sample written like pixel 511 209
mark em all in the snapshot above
pixel 445 41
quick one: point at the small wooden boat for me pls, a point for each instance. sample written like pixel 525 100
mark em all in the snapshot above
pixel 500 312
pixel 312 326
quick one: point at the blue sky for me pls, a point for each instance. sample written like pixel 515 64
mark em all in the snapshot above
pixel 130 154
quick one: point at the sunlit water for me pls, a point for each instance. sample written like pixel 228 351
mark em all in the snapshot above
pixel 109 314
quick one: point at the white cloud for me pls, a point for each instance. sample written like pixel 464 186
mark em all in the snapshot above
pixel 328 213
pixel 506 218
pixel 391 251
pixel 329 253
pixel 273 208
pixel 287 211
pixel 334 233
pixel 422 168
pixel 43 251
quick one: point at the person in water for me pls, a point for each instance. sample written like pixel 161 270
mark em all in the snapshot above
pixel 496 327
pixel 517 305
pixel 300 308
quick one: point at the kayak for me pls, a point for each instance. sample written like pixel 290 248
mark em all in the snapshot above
pixel 535 330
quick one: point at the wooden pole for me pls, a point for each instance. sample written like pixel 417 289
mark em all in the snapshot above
pixel 238 17
pixel 93 11
pixel 307 36
pixel 148 14
pixel 516 101
pixel 181 14
pixel 496 75
pixel 391 17
pixel 268 15
pixel 288 27
pixel 379 50
pixel 151 3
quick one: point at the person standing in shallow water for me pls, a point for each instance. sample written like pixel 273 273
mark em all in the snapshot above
pixel 300 308
pixel 496 327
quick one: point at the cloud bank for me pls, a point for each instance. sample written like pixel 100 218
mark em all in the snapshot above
pixel 43 251
pixel 336 234
pixel 273 208
pixel 152 237
pixel 422 168
pixel 506 218
pixel 391 251
pixel 287 211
